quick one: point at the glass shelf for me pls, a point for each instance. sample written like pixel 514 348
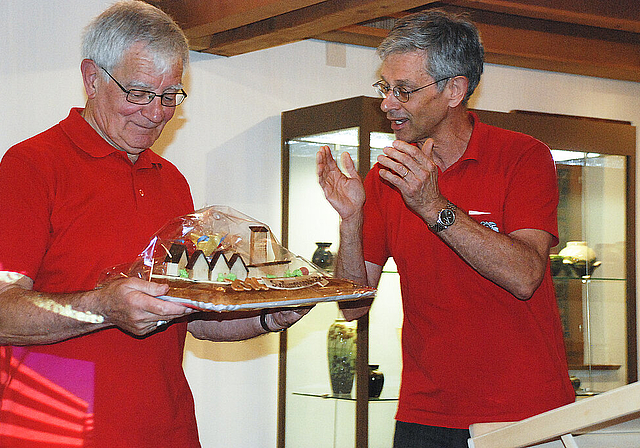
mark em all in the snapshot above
pixel 343 397
pixel 592 279
pixel 594 367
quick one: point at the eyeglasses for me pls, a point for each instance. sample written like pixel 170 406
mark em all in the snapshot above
pixel 142 97
pixel 400 93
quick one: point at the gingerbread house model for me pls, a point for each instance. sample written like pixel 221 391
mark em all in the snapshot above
pixel 223 265
pixel 199 267
pixel 176 260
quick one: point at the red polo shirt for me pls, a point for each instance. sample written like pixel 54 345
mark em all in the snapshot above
pixel 72 205
pixel 472 352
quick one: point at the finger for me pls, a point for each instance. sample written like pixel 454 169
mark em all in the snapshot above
pixel 150 294
pixel 146 301
pixel 166 309
pixel 393 166
pixel 326 156
pixel 349 166
pixel 150 288
pixel 393 178
pixel 403 151
pixel 324 162
pixel 426 147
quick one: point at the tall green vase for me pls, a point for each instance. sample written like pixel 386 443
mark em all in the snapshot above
pixel 341 354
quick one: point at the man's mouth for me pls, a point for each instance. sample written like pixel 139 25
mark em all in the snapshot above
pixel 398 122
pixel 147 126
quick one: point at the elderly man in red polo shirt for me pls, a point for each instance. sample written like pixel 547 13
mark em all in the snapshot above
pixel 80 197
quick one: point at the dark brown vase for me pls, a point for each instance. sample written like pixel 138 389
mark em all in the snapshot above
pixel 323 257
pixel 376 381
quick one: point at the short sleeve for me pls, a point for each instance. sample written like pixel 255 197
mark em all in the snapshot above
pixel 374 231
pixel 532 193
pixel 24 213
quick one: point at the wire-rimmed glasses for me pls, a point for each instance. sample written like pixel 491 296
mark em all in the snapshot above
pixel 402 94
pixel 142 97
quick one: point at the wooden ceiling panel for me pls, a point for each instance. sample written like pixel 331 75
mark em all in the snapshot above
pixel 302 24
pixel 589 37
pixel 621 15
pixel 205 17
pixel 562 53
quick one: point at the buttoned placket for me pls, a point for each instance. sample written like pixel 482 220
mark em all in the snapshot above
pixel 140 180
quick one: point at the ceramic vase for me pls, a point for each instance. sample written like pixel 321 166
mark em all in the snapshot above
pixel 376 381
pixel 341 355
pixel 322 257
pixel 580 258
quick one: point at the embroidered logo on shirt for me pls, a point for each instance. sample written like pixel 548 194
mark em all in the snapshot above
pixel 492 225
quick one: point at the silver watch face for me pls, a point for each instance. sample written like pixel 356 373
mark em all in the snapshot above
pixel 447 217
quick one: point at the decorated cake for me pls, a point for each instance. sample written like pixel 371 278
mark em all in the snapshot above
pixel 222 260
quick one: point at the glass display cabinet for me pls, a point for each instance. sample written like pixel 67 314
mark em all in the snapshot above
pixel 594 263
pixel 595 160
pixel 309 414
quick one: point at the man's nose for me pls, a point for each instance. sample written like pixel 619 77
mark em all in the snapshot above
pixel 154 111
pixel 389 102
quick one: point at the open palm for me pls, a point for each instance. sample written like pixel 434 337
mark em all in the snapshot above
pixel 344 192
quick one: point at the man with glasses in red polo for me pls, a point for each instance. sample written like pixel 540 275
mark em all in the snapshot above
pixel 468 213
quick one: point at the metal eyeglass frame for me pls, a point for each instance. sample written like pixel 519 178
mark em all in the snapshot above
pixel 143 97
pixel 400 93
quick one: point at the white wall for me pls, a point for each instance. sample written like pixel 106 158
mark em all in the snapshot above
pixel 226 140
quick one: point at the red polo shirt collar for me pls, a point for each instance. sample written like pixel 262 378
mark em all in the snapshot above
pixel 88 140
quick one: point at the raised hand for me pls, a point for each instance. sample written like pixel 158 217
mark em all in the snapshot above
pixel 413 172
pixel 344 192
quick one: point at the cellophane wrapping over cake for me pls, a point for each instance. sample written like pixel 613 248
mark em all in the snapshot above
pixel 220 259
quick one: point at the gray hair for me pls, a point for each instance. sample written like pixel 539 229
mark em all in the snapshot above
pixel 451 42
pixel 108 36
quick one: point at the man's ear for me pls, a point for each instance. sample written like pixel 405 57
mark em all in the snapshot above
pixel 90 77
pixel 458 89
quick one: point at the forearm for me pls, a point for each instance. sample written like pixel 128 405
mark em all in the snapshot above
pixel 350 264
pixel 515 262
pixel 350 257
pixel 30 317
pixel 231 327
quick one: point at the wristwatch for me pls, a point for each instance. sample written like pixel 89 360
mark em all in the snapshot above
pixel 446 218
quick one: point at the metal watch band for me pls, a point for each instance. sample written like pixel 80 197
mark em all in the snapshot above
pixel 439 226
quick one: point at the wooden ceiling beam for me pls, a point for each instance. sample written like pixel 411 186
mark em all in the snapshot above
pixel 303 23
pixel 622 15
pixel 590 37
pixel 200 18
pixel 366 36
pixel 575 51
pixel 581 55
